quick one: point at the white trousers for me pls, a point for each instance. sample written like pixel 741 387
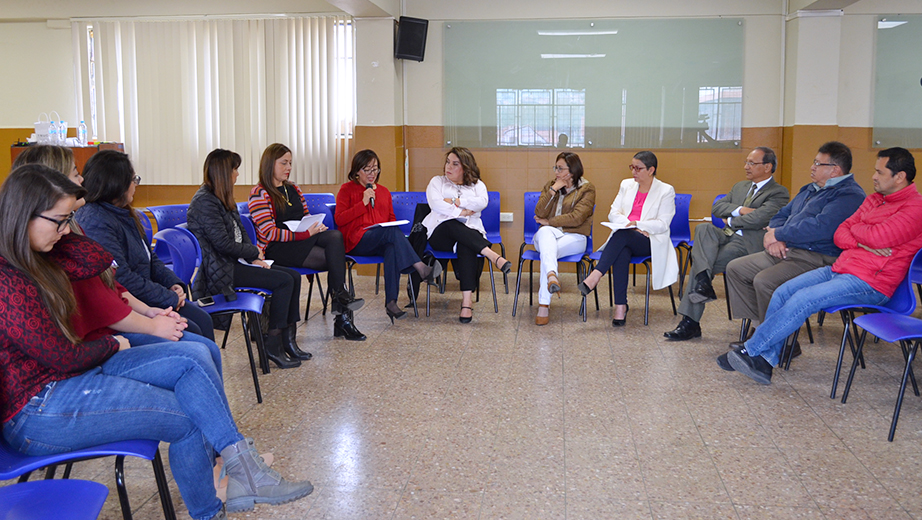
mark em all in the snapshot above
pixel 552 243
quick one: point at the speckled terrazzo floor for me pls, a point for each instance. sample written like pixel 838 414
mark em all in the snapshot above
pixel 429 418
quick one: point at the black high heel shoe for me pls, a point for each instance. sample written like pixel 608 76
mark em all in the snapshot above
pixel 466 319
pixel 290 344
pixel 434 273
pixel 620 323
pixel 506 267
pixel 395 312
pixel 584 289
pixel 276 353
pixel 342 302
pixel 343 327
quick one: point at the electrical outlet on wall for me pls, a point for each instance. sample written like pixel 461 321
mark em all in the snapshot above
pixel 505 216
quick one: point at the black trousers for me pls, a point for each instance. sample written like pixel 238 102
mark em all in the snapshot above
pixel 323 251
pixel 285 285
pixel 399 256
pixel 617 254
pixel 469 244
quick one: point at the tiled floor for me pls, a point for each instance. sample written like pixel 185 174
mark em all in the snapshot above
pixel 502 419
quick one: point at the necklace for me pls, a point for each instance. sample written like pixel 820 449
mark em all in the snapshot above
pixel 285 191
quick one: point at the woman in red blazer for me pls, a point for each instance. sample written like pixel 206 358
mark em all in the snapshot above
pixel 362 203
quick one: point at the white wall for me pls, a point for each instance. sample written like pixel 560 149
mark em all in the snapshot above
pixel 38 73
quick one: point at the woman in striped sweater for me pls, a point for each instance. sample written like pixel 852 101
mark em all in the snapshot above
pixel 276 200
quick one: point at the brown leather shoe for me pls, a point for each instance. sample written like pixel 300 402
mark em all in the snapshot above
pixel 542 320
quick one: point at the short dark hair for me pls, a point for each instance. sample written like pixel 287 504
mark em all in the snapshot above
pixel 360 160
pixel 839 154
pixel 899 160
pixel 573 162
pixel 648 159
pixel 768 156
pixel 107 176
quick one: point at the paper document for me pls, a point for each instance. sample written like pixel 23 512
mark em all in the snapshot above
pixel 305 223
pixel 390 224
pixel 244 262
pixel 611 226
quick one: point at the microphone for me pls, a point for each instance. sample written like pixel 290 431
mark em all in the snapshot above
pixel 372 200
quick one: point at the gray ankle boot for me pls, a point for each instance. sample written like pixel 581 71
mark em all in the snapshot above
pixel 250 481
pixel 220 516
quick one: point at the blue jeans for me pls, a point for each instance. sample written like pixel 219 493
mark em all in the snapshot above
pixel 399 256
pixel 795 300
pixel 168 391
pixel 137 339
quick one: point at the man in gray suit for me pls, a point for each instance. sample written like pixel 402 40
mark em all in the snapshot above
pixel 745 213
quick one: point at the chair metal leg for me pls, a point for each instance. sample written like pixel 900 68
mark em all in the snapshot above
pixel 905 348
pixel 246 336
pixel 789 344
pixel 377 281
pixel 672 299
pixel 493 287
pixel 744 328
pixel 226 332
pixel 120 486
pixel 727 295
pixel 518 285
pixel 851 372
pixel 531 282
pixel 163 487
pixel 611 289
pixel 809 330
pixel 646 309
pixel 310 292
pixel 427 296
pixel 502 249
pixel 70 465
pixel 410 291
pixel 899 397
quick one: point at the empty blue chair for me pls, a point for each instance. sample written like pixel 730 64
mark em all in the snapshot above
pixel 405 203
pixel 186 254
pixel 490 219
pixel 16 465
pixel 167 216
pixel 892 328
pixel 902 302
pixel 53 500
pixel 680 234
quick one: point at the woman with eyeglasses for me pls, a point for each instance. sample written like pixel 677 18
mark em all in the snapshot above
pixel 109 219
pixel 564 212
pixel 639 219
pixel 63 392
pixel 456 200
pixel 362 203
pixel 276 200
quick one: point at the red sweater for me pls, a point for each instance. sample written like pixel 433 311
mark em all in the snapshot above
pixel 352 217
pixel 33 351
pixel 883 221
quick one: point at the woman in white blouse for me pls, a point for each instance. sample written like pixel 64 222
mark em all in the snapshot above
pixel 456 200
pixel 640 218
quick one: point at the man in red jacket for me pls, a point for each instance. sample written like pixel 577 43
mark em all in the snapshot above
pixel 878 243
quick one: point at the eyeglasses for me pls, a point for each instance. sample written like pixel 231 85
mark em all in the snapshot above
pixel 817 163
pixel 373 171
pixel 635 168
pixel 558 169
pixel 62 224
pixel 751 164
pixel 136 179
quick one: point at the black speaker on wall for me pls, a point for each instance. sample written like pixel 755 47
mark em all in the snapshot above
pixel 411 38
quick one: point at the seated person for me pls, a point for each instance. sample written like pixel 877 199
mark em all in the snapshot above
pixel 878 243
pixel 799 237
pixel 61 393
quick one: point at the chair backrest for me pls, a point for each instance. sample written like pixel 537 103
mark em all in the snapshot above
pixel 404 203
pixel 312 199
pixel 717 221
pixel 490 218
pixel 318 205
pixel 145 223
pixel 529 225
pixel 184 251
pixel 679 228
pixel 249 227
pixel 903 300
pixel 169 216
pixel 243 208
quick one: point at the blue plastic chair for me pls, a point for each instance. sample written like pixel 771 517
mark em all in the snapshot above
pixel 490 219
pixel 405 203
pixel 187 253
pixel 680 234
pixel 895 328
pixel 530 227
pixel 145 223
pixel 717 221
pixel 16 465
pixel 167 216
pixel 53 499
pixel 902 302
pixel 244 209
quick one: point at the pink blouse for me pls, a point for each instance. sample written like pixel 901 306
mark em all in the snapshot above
pixel 637 208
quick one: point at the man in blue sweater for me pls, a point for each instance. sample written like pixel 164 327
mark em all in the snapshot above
pixel 799 237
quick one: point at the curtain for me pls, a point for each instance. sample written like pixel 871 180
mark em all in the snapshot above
pixel 174 90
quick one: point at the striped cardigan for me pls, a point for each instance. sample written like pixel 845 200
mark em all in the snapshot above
pixel 263 214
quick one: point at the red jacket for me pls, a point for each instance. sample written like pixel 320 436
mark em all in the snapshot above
pixel 883 221
pixel 352 217
pixel 33 351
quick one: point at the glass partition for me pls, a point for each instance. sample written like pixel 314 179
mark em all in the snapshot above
pixel 898 86
pixel 594 83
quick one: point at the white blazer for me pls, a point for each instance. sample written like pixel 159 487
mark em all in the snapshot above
pixel 474 198
pixel 655 218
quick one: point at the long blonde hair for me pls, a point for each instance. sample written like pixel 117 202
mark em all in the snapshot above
pixel 29 191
